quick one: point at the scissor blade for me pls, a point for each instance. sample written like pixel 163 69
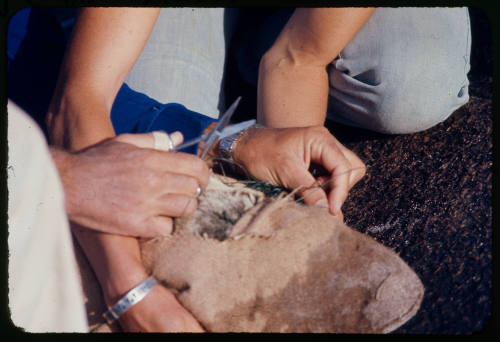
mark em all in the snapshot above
pixel 215 134
pixel 188 143
pixel 224 120
pixel 229 130
pixel 236 128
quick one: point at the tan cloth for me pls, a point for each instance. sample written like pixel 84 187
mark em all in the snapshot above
pixel 284 267
pixel 281 267
pixel 45 294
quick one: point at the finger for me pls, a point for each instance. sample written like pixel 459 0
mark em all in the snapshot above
pixel 159 226
pixel 358 168
pixel 177 138
pixel 175 183
pixel 314 196
pixel 147 140
pixel 180 163
pixel 163 141
pixel 310 190
pixel 175 205
pixel 319 198
pixel 333 160
pixel 339 190
pixel 340 216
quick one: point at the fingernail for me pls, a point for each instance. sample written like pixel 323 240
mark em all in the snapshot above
pixel 176 137
pixel 323 203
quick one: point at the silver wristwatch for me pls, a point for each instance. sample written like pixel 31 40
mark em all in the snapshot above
pixel 226 145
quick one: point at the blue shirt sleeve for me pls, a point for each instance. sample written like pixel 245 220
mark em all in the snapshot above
pixel 36 41
pixel 135 112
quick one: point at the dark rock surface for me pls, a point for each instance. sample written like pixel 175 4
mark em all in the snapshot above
pixel 428 196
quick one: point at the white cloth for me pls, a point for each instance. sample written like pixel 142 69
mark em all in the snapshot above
pixel 45 292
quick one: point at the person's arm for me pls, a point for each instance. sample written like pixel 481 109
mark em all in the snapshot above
pixel 118 266
pixel 293 79
pixel 106 43
pixel 135 194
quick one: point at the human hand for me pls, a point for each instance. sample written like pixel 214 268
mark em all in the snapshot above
pixel 124 186
pixel 283 156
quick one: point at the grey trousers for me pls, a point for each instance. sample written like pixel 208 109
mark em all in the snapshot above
pixel 405 70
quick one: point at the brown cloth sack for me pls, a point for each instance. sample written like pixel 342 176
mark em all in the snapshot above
pixel 247 263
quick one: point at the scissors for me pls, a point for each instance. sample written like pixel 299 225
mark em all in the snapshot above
pixel 220 131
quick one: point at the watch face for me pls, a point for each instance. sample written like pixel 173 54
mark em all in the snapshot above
pixel 226 146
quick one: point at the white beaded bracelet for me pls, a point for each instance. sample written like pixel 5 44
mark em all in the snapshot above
pixel 132 297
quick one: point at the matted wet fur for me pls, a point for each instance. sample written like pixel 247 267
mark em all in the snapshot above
pixel 247 263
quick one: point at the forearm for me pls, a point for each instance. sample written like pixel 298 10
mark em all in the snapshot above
pixel 291 95
pixel 78 119
pixel 64 162
pixel 105 44
pixel 115 259
pixel 293 78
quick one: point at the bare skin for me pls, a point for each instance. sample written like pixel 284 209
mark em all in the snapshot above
pixel 288 161
pixel 293 79
pixel 105 45
pixel 122 188
pixel 160 186
pixel 95 66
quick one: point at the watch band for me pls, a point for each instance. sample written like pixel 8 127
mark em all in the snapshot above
pixel 132 297
pixel 226 145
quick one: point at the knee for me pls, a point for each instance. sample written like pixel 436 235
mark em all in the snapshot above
pixel 397 102
pixel 406 106
pixel 411 77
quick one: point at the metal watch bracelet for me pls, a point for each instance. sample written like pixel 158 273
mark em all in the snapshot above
pixel 132 297
pixel 226 145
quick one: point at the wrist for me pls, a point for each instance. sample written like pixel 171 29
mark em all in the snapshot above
pixel 130 299
pixel 115 259
pixel 228 145
pixel 65 163
pixel 76 120
pixel 119 284
pixel 123 268
pixel 291 94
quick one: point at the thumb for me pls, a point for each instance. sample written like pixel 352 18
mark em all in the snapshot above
pixel 147 140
